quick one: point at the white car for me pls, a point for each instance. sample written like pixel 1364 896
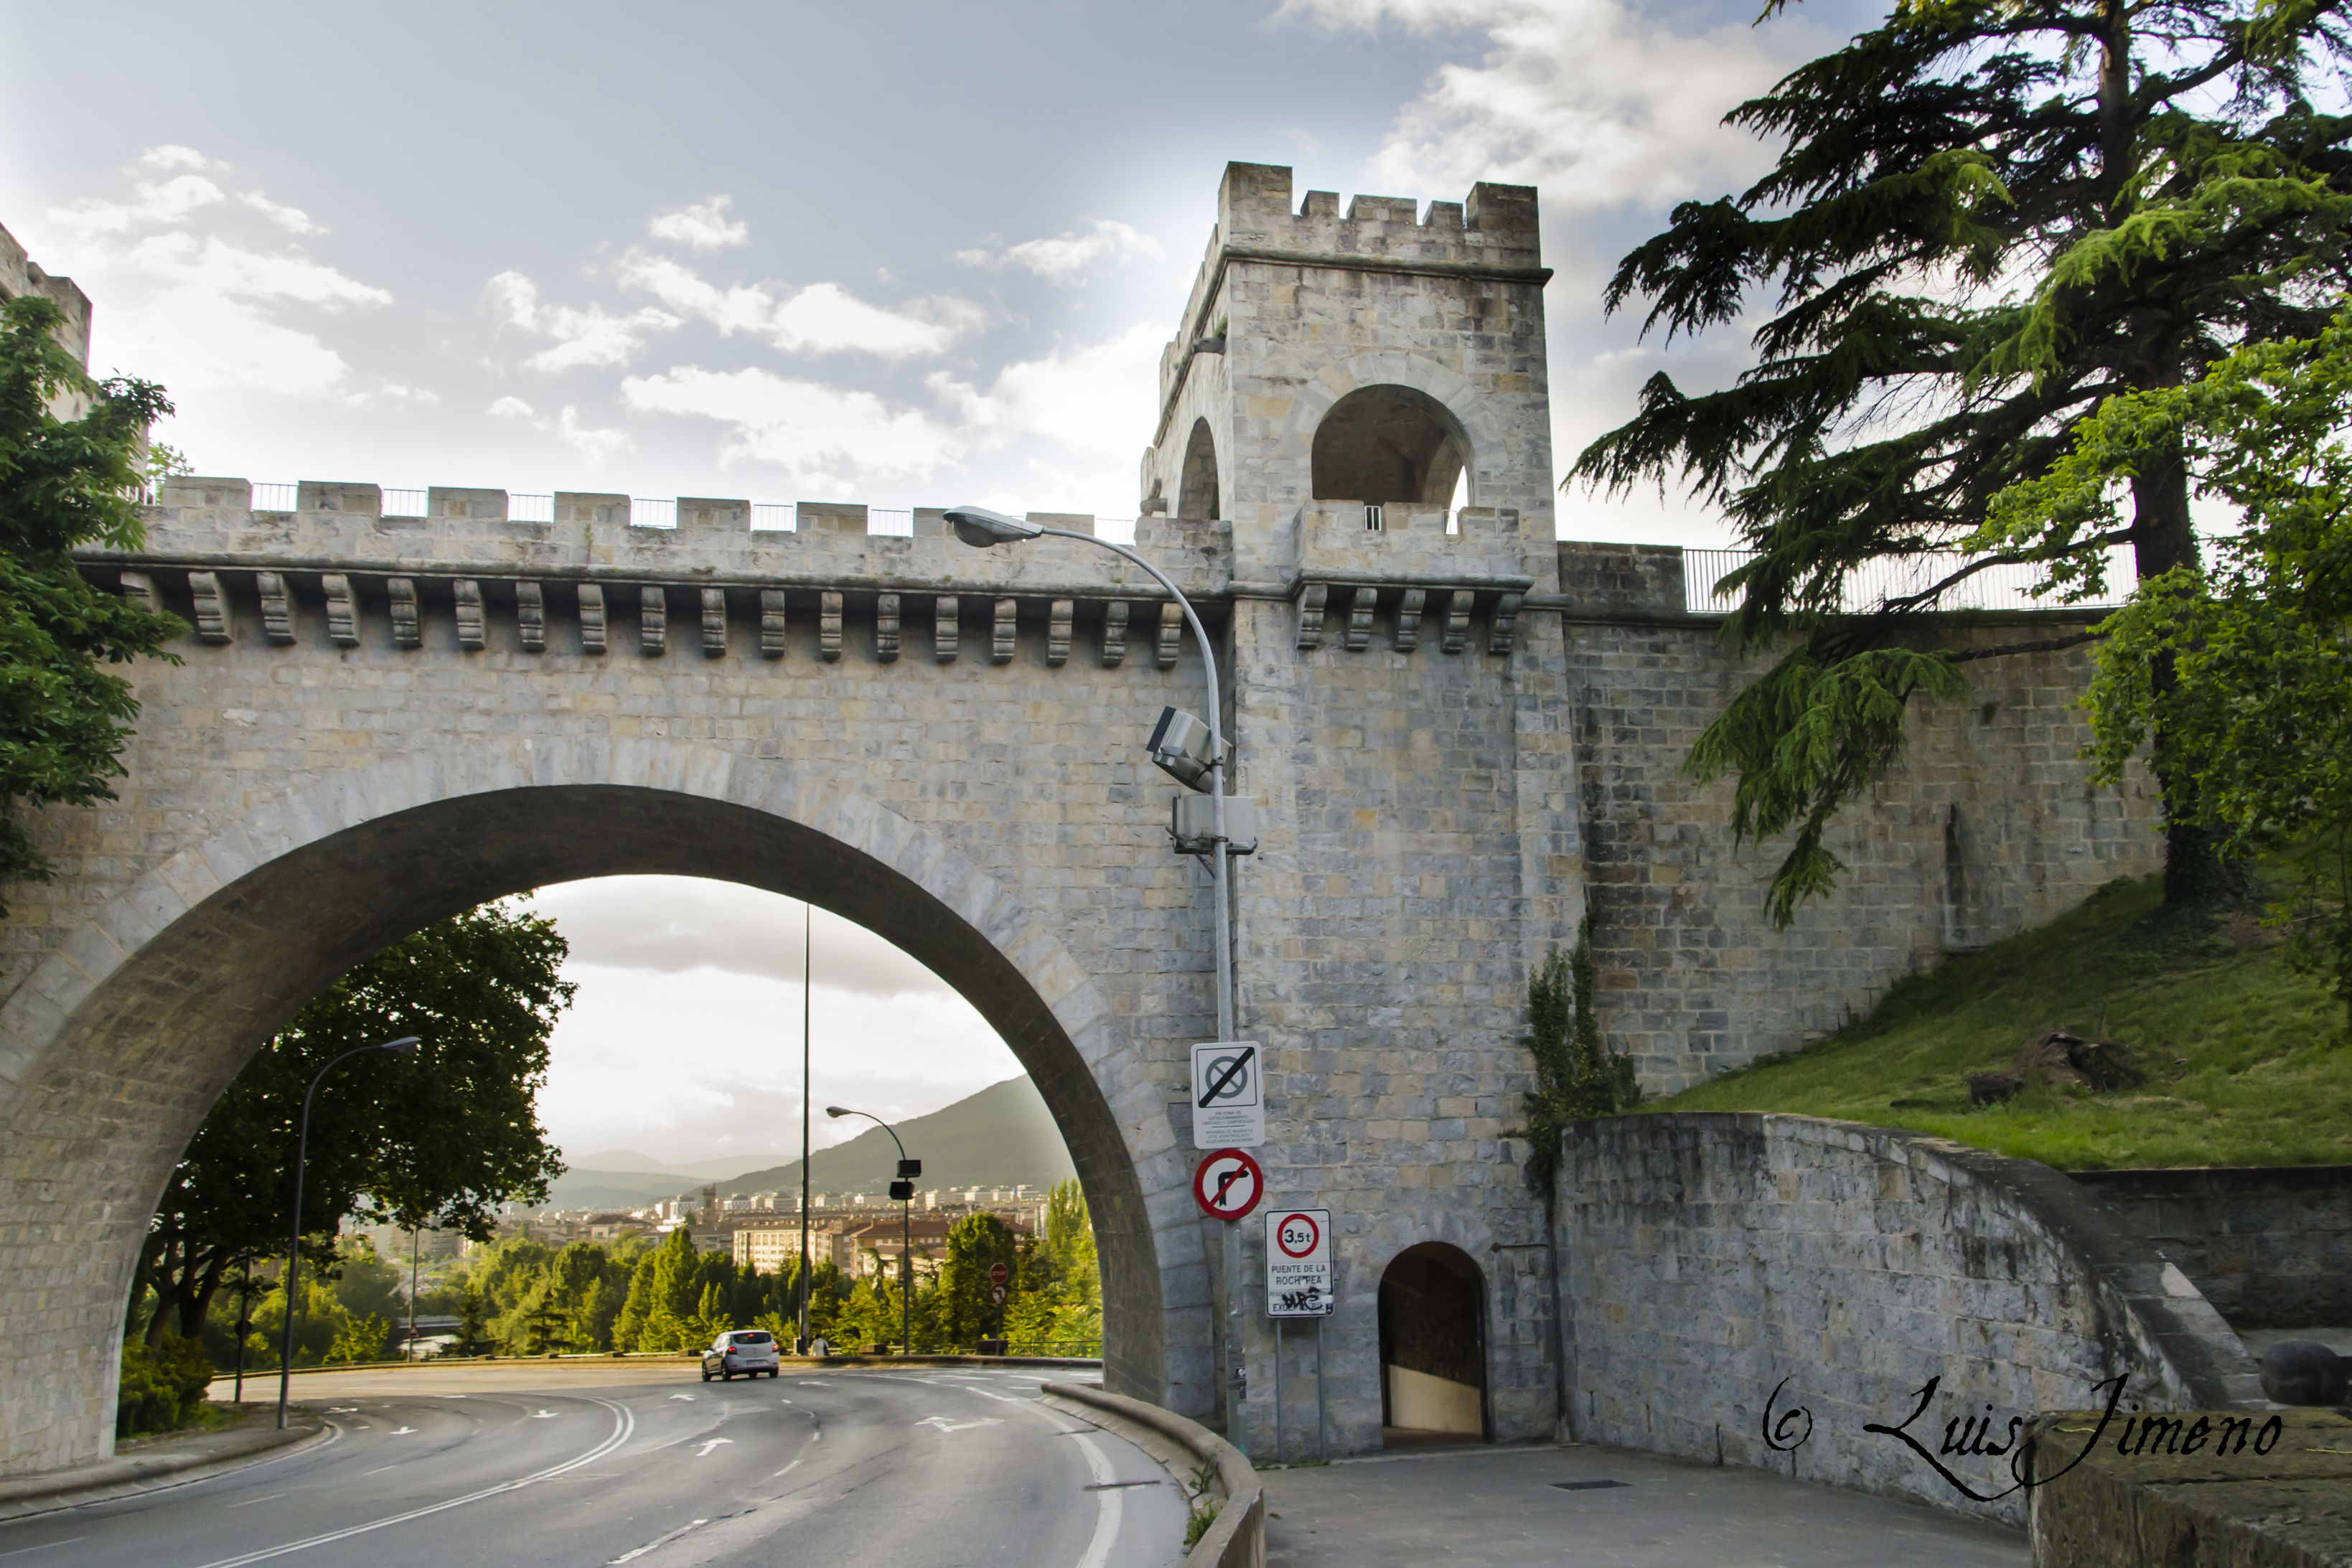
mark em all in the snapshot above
pixel 748 1350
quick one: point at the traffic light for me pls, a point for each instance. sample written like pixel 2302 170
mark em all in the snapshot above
pixel 910 1169
pixel 902 1191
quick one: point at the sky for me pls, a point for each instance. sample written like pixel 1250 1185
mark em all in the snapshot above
pixel 915 254
pixel 905 254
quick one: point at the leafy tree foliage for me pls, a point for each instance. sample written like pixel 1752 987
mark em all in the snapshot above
pixel 976 1243
pixel 440 1138
pixel 1988 217
pixel 64 482
pixel 2257 708
pixel 1576 1075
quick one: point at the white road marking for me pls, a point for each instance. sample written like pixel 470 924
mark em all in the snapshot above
pixel 342 1410
pixel 657 1541
pixel 379 1469
pixel 44 1546
pixel 543 1415
pixel 623 1423
pixel 704 1452
pixel 944 1424
pixel 788 1469
pixel 1107 1504
pixel 687 1397
pixel 401 1432
pixel 248 1502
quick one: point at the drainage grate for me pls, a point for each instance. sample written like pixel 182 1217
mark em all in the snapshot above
pixel 1589 1486
pixel 1114 1486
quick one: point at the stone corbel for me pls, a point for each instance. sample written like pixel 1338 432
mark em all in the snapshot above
pixel 472 633
pixel 1312 596
pixel 1114 651
pixel 714 623
pixel 1362 602
pixel 1057 632
pixel 1003 632
pixel 653 620
pixel 212 606
pixel 592 621
pixel 407 618
pixel 140 589
pixel 947 630
pixel 342 611
pixel 828 626
pixel 1458 604
pixel 530 617
pixel 771 623
pixel 1503 625
pixel 886 627
pixel 1408 619
pixel 1172 634
pixel 276 607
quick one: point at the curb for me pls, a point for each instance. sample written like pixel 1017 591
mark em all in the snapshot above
pixel 1237 1539
pixel 193 1457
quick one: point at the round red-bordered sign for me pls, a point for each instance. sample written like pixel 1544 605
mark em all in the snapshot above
pixel 1228 1183
pixel 1308 1243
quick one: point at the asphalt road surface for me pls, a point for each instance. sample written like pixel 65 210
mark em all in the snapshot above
pixel 941 1467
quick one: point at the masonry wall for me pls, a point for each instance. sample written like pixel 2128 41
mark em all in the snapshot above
pixel 1987 826
pixel 2269 1247
pixel 1708 1260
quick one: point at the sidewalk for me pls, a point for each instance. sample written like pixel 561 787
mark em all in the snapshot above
pixel 1502 1507
pixel 147 1464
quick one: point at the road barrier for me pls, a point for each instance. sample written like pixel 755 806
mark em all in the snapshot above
pixel 1237 1536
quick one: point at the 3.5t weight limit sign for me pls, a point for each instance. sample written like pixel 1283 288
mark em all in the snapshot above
pixel 1228 1095
pixel 1298 1263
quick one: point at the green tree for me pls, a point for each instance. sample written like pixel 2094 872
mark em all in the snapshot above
pixel 2258 706
pixel 1987 217
pixel 64 482
pixel 1576 1075
pixel 441 1138
pixel 976 1243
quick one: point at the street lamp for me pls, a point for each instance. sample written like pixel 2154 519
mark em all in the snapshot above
pixel 903 1189
pixel 405 1046
pixel 1173 748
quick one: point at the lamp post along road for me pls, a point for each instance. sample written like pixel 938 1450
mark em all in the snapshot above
pixel 405 1046
pixel 981 529
pixel 903 1189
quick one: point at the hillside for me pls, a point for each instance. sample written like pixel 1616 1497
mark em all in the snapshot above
pixel 2249 1061
pixel 1001 1136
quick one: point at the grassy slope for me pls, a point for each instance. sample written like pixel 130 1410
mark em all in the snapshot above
pixel 2249 1061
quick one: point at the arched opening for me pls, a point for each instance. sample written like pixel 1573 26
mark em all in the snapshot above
pixel 1432 1347
pixel 1390 443
pixel 135 1068
pixel 1196 492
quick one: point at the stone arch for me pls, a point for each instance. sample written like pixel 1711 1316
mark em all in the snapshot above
pixel 1198 494
pixel 118 1043
pixel 1486 429
pixel 1386 443
pixel 1433 1345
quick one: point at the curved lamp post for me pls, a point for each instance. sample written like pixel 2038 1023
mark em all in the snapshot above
pixel 903 1189
pixel 981 528
pixel 405 1046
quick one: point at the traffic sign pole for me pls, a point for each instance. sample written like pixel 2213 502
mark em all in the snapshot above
pixel 1236 1368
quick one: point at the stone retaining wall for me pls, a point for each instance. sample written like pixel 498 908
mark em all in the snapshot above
pixel 1707 1261
pixel 2270 1248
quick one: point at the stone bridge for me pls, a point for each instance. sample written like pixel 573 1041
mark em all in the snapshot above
pixel 1457 731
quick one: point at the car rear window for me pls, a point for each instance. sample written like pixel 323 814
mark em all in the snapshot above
pixel 760 1338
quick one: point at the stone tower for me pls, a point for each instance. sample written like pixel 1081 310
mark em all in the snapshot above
pixel 1381 356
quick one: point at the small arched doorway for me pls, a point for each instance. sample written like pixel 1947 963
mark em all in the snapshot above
pixel 1196 488
pixel 1382 445
pixel 1432 1347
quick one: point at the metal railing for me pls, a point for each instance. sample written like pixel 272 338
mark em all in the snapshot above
pixel 405 502
pixel 270 497
pixel 893 521
pixel 647 513
pixel 2009 586
pixel 530 508
pixel 780 516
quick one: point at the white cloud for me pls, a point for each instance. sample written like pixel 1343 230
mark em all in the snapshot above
pixel 822 436
pixel 1589 98
pixel 594 336
pixel 293 220
pixel 594 446
pixel 1096 398
pixel 1066 257
pixel 822 318
pixel 705 226
pixel 510 408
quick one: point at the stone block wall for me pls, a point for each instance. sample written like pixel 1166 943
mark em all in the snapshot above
pixel 1987 826
pixel 1707 1260
pixel 2270 1248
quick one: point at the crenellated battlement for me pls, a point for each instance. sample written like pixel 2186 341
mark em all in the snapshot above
pixel 1493 227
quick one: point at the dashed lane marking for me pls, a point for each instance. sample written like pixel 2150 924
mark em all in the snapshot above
pixel 657 1541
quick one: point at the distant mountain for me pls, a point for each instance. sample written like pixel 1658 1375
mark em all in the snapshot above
pixel 629 1160
pixel 1001 1136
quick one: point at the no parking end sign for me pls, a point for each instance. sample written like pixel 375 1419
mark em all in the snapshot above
pixel 1227 1185
pixel 1298 1263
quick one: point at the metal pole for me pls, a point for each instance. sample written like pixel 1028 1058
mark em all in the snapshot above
pixel 1322 1426
pixel 408 1349
pixel 808 918
pixel 244 1328
pixel 1236 1369
pixel 1277 1390
pixel 906 1276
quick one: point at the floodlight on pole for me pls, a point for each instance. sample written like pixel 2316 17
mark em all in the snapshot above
pixel 981 528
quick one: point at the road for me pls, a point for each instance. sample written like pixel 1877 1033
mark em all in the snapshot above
pixel 655 1469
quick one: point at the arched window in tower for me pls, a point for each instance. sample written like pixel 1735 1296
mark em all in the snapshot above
pixel 1196 492
pixel 1390 443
